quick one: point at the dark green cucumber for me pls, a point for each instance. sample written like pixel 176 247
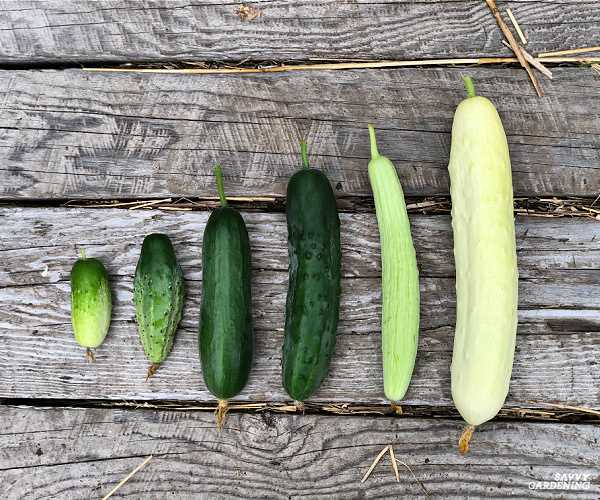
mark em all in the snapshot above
pixel 226 336
pixel 314 281
pixel 91 303
pixel 158 293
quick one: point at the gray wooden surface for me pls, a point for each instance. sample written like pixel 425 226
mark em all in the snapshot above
pixel 82 453
pixel 73 134
pixel 68 32
pixel 557 350
pixel 76 135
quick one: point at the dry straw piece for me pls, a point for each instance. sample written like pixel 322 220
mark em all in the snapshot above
pixel 533 61
pixel 578 409
pixel 425 490
pixel 394 464
pixel 374 464
pixel 514 22
pixel 150 203
pixel 343 66
pixel 582 50
pixel 514 45
pixel 389 448
pixel 295 67
pixel 127 478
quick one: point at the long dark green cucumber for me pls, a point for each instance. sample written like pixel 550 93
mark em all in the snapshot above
pixel 314 281
pixel 158 293
pixel 226 335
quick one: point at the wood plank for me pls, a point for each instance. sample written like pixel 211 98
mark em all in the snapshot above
pixel 83 453
pixel 559 320
pixel 55 31
pixel 73 134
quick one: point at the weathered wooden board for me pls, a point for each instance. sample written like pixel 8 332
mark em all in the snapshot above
pixel 74 134
pixel 558 344
pixel 83 453
pixel 68 32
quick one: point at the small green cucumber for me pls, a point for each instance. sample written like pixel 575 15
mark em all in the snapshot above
pixel 91 304
pixel 158 292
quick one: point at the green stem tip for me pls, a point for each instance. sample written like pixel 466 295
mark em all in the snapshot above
pixel 469 86
pixel 373 139
pixel 220 185
pixel 82 253
pixel 304 153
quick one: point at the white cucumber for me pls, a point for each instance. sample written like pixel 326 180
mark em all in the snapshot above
pixel 486 262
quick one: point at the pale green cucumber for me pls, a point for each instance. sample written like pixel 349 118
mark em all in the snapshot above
pixel 400 276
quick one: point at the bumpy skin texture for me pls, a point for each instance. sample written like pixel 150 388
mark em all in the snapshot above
pixel 486 261
pixel 314 282
pixel 158 293
pixel 226 336
pixel 400 280
pixel 91 304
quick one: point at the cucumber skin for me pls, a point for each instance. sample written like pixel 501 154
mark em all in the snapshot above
pixel 158 293
pixel 400 280
pixel 226 337
pixel 313 298
pixel 91 303
pixel 486 261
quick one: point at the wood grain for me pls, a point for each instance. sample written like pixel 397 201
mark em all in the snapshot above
pixel 83 453
pixel 557 350
pixel 73 134
pixel 70 32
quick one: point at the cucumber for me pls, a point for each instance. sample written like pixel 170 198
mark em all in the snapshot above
pixel 486 262
pixel 158 293
pixel 313 297
pixel 91 303
pixel 400 276
pixel 226 337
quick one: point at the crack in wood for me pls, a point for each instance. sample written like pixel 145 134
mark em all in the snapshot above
pixel 551 206
pixel 520 413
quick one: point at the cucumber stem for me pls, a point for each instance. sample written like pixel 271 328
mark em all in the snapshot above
pixel 469 86
pixel 465 439
pixel 373 139
pixel 220 185
pixel 304 153
pixel 220 413
pixel 152 370
pixel 89 354
pixel 396 408
pixel 82 253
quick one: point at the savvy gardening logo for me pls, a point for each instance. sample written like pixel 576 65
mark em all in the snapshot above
pixel 560 481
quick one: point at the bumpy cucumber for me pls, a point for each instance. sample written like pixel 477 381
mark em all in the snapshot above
pixel 226 337
pixel 91 303
pixel 158 292
pixel 314 281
